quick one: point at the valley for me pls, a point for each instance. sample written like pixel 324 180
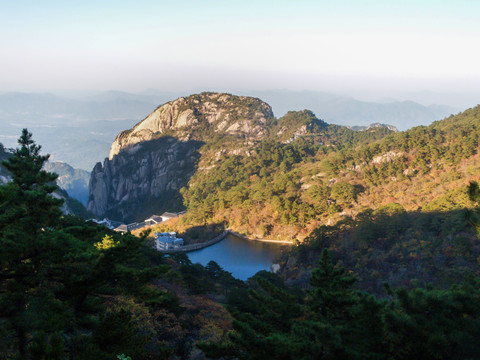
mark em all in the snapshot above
pixel 231 164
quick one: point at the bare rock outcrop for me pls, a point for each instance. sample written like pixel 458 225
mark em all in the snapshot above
pixel 187 117
pixel 387 157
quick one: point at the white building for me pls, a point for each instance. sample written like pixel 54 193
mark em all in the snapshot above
pixel 168 215
pixel 167 241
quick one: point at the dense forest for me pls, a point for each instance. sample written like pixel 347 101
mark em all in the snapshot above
pixel 263 190
pixel 387 266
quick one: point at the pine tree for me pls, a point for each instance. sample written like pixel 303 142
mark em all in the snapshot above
pixel 26 203
pixel 350 323
pixel 28 213
pixel 331 295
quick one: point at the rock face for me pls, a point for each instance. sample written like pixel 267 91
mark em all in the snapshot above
pixel 133 186
pixel 387 157
pixel 149 163
pixel 73 181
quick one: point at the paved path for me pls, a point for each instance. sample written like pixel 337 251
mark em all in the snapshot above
pixel 193 247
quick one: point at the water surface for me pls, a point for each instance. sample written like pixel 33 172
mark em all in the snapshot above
pixel 243 258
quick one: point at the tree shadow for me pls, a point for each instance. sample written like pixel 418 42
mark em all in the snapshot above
pixel 202 233
pixel 401 248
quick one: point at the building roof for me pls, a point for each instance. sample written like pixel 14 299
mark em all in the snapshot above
pixel 167 234
pixel 122 227
pixel 162 234
pixel 167 239
pixel 154 218
pixel 169 214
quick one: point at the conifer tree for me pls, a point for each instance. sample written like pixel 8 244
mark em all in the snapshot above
pixel 353 324
pixel 25 201
pixel 331 293
pixel 28 213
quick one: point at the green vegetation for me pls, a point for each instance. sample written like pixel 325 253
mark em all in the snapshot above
pixel 332 320
pixel 266 182
pixel 391 245
pixel 70 289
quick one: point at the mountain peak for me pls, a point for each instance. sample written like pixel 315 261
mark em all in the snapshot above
pixel 197 115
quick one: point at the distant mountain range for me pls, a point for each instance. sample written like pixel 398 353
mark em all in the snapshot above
pixel 79 130
pixel 342 110
pixel 107 106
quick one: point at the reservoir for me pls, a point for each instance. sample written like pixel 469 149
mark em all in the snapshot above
pixel 243 258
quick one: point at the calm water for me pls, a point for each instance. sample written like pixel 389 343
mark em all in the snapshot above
pixel 243 258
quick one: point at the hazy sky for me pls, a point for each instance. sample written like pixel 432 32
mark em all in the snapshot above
pixel 177 45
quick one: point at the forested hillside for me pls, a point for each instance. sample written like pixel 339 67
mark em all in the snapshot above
pixel 199 133
pixel 76 290
pixel 284 189
pixel 389 205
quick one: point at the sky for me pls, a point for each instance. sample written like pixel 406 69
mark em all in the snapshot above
pixel 362 47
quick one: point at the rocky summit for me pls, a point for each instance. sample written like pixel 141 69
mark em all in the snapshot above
pixel 198 115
